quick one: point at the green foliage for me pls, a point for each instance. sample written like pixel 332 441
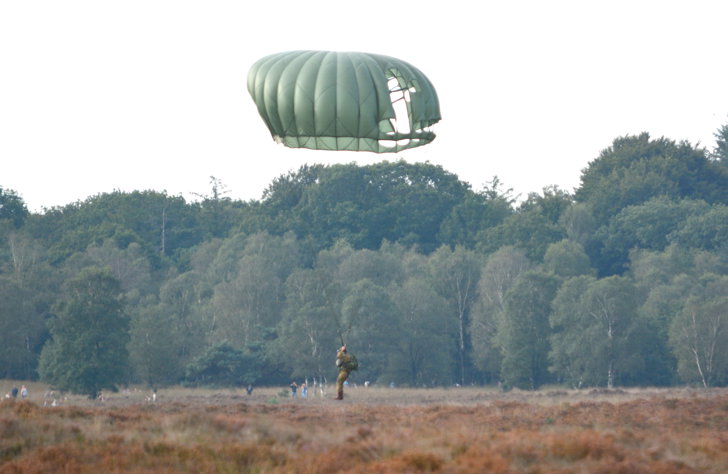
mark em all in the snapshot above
pixel 160 224
pixel 454 275
pixel 499 274
pixel 307 331
pixel 567 259
pixel 223 366
pixel 525 332
pixel 413 268
pixel 248 299
pixel 370 326
pixel 218 214
pixel 578 222
pixel 159 348
pixel 421 354
pixel 551 203
pixel 475 213
pixel 364 205
pixel 22 330
pixel 87 352
pixel 529 231
pixel 636 169
pixel 699 333
pixel 593 321
pixel 720 152
pixel 12 208
pixel 707 230
pixel 644 226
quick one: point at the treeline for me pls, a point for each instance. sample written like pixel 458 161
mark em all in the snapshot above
pixel 623 282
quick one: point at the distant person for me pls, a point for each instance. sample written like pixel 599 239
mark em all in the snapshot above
pixel 14 392
pixel 346 363
pixel 23 392
pixel 249 389
pixel 304 390
pixel 294 387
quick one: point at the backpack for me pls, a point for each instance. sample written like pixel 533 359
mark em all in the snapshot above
pixel 353 364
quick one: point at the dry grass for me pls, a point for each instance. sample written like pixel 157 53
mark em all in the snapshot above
pixel 373 430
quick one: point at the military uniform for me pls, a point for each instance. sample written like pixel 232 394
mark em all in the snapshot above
pixel 342 362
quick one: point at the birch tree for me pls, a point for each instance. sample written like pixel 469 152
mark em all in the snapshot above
pixel 699 333
pixel 592 323
pixel 497 276
pixel 455 274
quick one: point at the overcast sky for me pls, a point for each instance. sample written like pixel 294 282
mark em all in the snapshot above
pixel 143 94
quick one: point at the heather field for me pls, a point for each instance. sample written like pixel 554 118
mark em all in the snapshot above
pixel 372 430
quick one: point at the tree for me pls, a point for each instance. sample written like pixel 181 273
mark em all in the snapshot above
pixel 380 267
pixel 651 268
pixel 158 351
pixel 421 354
pixel 162 225
pixel 476 212
pixel 28 288
pixel 699 333
pixel 644 226
pixel 525 333
pixel 307 333
pixel 223 366
pixel 21 330
pixel 551 203
pixel 567 259
pixel 12 207
pixel 571 360
pixel 500 272
pixel 528 229
pixel 398 202
pixel 720 152
pixel 219 213
pixel 636 169
pixel 592 330
pixel 611 305
pixel 455 275
pixel 24 257
pixel 578 222
pixel 707 231
pixel 87 352
pixel 370 326
pixel 249 305
pixel 249 274
pixel 129 265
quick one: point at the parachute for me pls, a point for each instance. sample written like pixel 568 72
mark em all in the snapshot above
pixel 328 100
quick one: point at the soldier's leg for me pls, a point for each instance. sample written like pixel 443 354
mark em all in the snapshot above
pixel 343 375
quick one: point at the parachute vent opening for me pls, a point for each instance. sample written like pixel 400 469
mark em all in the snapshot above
pixel 400 95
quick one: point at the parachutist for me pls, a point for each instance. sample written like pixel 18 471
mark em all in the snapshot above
pixel 346 363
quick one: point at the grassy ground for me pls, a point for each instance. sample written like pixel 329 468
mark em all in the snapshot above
pixel 372 430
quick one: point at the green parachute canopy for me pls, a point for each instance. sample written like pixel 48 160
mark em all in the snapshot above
pixel 328 100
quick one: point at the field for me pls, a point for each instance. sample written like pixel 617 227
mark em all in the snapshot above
pixel 372 430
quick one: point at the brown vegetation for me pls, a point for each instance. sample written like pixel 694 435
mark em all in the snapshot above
pixel 373 430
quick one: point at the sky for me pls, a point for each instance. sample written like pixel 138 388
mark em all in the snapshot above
pixel 97 96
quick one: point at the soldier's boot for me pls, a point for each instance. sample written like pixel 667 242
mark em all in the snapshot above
pixel 340 395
